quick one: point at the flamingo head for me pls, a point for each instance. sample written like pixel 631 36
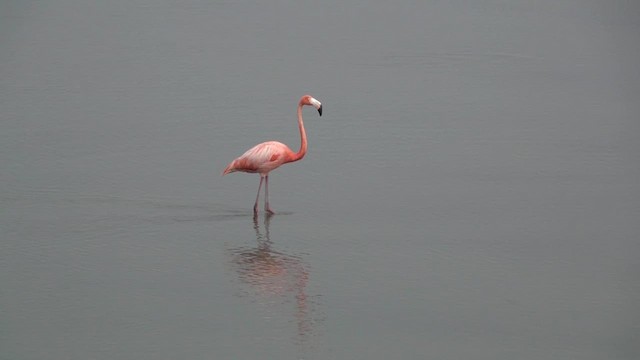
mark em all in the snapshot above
pixel 309 100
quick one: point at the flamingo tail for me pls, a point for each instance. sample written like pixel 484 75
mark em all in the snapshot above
pixel 229 169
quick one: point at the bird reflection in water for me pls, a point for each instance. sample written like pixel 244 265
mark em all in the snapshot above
pixel 276 278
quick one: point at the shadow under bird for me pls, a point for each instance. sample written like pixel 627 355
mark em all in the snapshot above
pixel 269 155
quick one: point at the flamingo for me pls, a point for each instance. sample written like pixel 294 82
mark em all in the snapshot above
pixel 269 155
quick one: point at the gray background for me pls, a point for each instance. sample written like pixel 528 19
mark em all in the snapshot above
pixel 471 192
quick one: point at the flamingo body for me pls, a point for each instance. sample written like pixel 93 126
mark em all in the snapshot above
pixel 267 156
pixel 262 158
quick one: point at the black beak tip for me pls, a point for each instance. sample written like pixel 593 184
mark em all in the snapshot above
pixel 320 110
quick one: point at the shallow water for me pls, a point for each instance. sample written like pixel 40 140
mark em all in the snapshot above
pixel 471 190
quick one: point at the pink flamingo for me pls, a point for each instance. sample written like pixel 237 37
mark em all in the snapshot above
pixel 269 155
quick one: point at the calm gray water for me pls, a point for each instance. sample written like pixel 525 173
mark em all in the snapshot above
pixel 472 190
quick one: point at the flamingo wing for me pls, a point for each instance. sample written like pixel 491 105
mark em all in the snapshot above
pixel 261 158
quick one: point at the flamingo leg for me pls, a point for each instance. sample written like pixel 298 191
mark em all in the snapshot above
pixel 255 205
pixel 267 208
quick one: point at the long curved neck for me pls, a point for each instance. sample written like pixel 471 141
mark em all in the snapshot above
pixel 303 137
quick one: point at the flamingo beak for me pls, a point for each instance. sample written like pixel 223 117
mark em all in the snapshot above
pixel 320 110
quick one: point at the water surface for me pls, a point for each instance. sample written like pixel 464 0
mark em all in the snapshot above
pixel 471 190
